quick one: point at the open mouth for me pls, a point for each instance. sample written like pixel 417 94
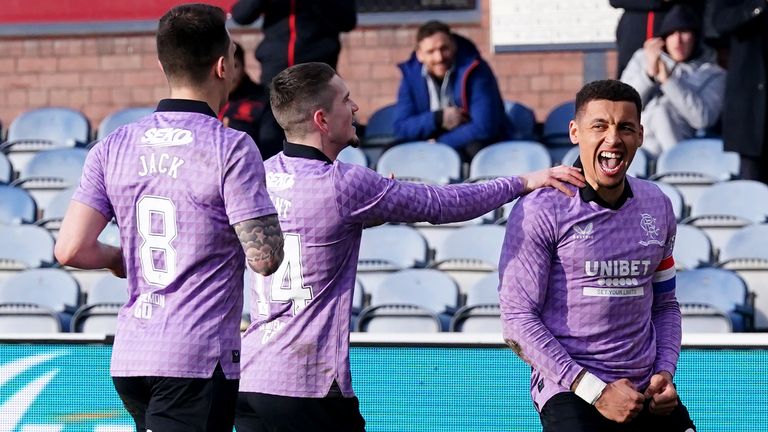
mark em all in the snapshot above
pixel 610 162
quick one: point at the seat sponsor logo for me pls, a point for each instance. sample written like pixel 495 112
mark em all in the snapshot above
pixel 166 137
pixel 648 224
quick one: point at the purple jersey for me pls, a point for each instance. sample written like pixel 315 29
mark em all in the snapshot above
pixel 584 286
pixel 298 341
pixel 176 181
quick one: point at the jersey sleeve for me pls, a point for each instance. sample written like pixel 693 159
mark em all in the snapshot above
pixel 243 183
pixel 364 196
pixel 665 312
pixel 530 245
pixel 92 190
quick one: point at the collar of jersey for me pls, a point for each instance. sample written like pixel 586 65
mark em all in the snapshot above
pixel 587 193
pixel 184 105
pixel 303 151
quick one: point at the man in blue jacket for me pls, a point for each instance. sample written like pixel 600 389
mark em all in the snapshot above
pixel 449 93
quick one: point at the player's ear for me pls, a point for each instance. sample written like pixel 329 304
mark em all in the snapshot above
pixel 220 69
pixel 320 120
pixel 573 132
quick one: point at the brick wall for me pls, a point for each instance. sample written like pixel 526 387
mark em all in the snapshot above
pixel 100 74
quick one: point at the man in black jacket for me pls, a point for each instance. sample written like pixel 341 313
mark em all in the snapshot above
pixel 297 31
pixel 745 113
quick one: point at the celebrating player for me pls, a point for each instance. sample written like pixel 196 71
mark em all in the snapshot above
pixel 177 182
pixel 588 284
pixel 296 374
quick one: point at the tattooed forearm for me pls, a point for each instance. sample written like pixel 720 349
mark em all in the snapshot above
pixel 518 350
pixel 262 242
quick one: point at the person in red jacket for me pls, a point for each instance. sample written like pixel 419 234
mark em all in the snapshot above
pixel 297 31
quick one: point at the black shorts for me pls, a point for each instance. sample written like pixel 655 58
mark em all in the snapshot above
pixel 258 412
pixel 163 404
pixel 568 412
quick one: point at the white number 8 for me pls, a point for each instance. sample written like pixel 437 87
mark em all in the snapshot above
pixel 153 242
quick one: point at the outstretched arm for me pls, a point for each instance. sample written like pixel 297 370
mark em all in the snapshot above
pixel 262 241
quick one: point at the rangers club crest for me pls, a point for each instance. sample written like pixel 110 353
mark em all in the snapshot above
pixel 648 224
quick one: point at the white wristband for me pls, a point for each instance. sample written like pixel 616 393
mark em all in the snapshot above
pixel 590 388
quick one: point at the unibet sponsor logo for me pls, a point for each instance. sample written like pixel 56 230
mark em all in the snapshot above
pixel 614 275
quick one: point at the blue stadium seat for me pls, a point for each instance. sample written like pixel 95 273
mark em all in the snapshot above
pixel 556 124
pixel 422 161
pixel 44 128
pixel 523 120
pixel 56 209
pixel 380 130
pixel 27 318
pixel 108 289
pixel 746 253
pixel 121 117
pixel 16 206
pixel 508 158
pixel 354 156
pixel 675 197
pixel 98 318
pixel 50 288
pixel 725 207
pixel 703 318
pixel 6 169
pixel 469 253
pixel 693 164
pixel 721 289
pixel 481 312
pixel 29 245
pixel 386 249
pixel 638 168
pixel 692 248
pixel 358 304
pixel 50 172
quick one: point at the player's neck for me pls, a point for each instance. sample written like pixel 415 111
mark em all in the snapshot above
pixel 609 195
pixel 210 97
pixel 316 141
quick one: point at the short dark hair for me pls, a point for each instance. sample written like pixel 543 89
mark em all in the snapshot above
pixel 299 91
pixel 612 90
pixel 430 28
pixel 190 39
pixel 239 53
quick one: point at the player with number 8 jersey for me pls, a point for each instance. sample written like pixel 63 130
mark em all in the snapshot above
pixel 296 371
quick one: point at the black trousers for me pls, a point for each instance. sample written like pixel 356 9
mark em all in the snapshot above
pixel 566 412
pixel 258 412
pixel 163 404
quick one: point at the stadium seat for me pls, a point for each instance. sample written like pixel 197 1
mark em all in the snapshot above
pixel 55 211
pixel 430 290
pixel 358 304
pixel 16 206
pixel 470 253
pixel 481 313
pixel 121 117
pixel 354 156
pixel 424 162
pixel 6 169
pixel 398 318
pixel 508 158
pixel 49 288
pixel 694 164
pixel 386 249
pixel 721 289
pixel 638 168
pixel 746 253
pixel 43 128
pixel 27 318
pixel 108 289
pixel 96 318
pixel 702 318
pixel 30 245
pixel 523 120
pixel 692 248
pixel 675 197
pixel 86 278
pixel 50 172
pixel 379 133
pixel 725 207
pixel 555 134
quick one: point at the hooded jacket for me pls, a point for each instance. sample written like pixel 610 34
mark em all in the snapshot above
pixel 474 89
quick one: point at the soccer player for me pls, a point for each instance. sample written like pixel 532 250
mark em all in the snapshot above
pixel 295 370
pixel 588 283
pixel 189 197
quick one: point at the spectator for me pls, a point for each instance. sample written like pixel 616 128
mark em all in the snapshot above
pixel 297 31
pixel 745 117
pixel 248 110
pixel 448 93
pixel 679 81
pixel 641 21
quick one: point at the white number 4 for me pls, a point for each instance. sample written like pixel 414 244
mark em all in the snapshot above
pixel 288 281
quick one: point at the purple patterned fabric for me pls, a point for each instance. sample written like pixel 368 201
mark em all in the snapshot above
pixel 298 341
pixel 176 182
pixel 576 288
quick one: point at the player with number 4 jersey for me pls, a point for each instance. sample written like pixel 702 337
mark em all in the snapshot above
pixel 189 197
pixel 295 370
